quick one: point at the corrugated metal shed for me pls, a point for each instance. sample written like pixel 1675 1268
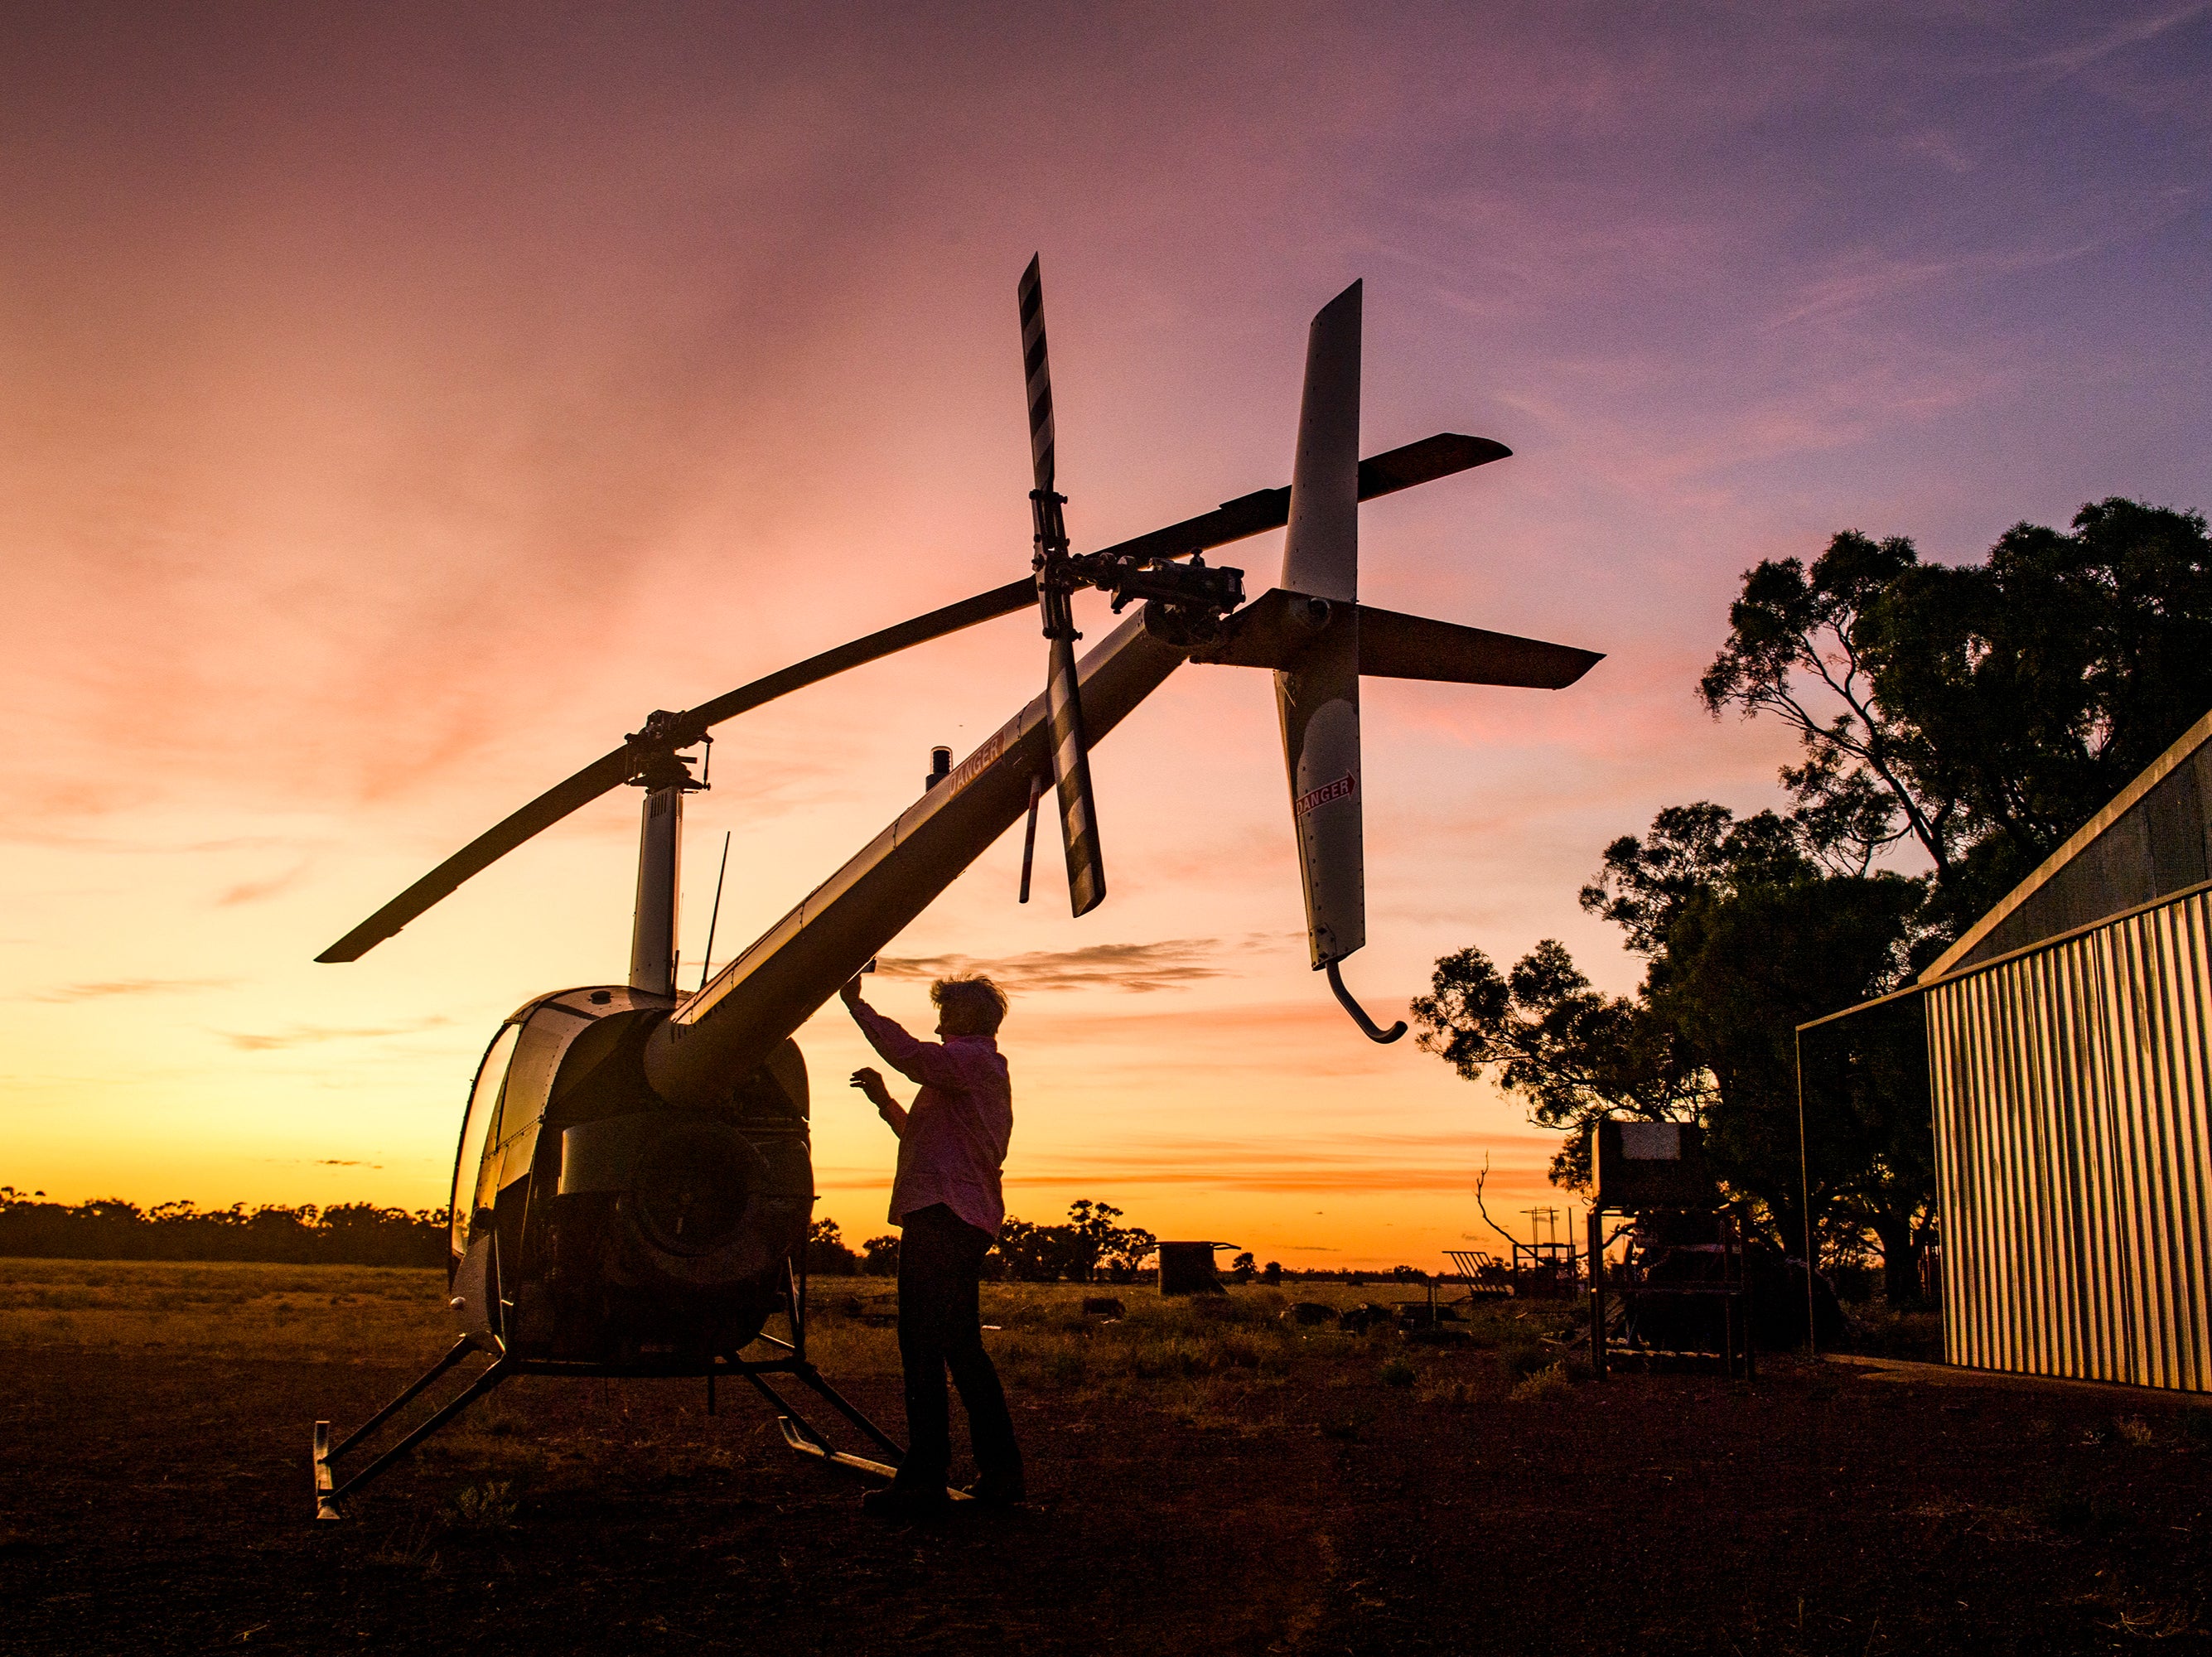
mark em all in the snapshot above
pixel 2069 1053
pixel 2073 1155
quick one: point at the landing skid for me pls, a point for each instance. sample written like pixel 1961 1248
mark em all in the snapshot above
pixel 797 1432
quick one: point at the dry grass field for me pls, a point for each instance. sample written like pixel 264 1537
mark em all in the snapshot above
pixel 1209 1476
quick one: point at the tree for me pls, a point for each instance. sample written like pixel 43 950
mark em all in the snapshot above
pixel 1076 1250
pixel 1795 633
pixel 1741 969
pixel 879 1256
pixel 2037 684
pixel 1986 710
pixel 1744 936
pixel 826 1253
pixel 1574 1053
pixel 1690 851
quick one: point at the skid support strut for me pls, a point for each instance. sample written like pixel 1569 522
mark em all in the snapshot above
pixel 790 1360
pixel 327 1498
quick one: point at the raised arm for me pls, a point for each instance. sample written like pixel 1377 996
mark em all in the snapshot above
pixel 925 1062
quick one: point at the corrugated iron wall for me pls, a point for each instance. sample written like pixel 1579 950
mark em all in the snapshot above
pixel 2074 1153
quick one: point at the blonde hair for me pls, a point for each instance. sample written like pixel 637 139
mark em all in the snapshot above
pixel 975 1005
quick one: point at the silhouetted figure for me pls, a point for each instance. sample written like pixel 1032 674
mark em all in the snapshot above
pixel 946 1199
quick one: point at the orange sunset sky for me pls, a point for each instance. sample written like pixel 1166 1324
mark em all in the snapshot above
pixel 398 402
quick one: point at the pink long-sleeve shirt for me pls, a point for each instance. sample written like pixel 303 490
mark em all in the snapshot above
pixel 958 1127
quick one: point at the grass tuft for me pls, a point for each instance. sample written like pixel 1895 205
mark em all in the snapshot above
pixel 1346 1427
pixel 1453 1394
pixel 483 1507
pixel 1543 1386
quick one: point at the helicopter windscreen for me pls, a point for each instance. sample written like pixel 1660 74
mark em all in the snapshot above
pixel 476 1130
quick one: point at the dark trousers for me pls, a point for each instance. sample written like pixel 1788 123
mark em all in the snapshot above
pixel 940 1327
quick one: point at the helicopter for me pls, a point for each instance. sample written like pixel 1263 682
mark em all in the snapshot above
pixel 633 1182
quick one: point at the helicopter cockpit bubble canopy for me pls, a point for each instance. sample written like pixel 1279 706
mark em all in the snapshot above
pixel 507 1106
pixel 476 1128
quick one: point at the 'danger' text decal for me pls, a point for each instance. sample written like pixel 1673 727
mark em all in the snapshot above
pixel 1340 789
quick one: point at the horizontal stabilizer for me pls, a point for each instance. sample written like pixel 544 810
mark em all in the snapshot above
pixel 1275 629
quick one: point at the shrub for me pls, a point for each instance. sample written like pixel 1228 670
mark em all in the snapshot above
pixel 1521 1358
pixel 1398 1373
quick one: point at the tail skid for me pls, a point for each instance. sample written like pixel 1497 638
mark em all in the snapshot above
pixel 1368 1027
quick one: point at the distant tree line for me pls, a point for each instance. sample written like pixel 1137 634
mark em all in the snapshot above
pixel 1971 717
pixel 1089 1246
pixel 109 1229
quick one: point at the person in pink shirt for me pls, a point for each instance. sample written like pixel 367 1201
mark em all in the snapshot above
pixel 946 1200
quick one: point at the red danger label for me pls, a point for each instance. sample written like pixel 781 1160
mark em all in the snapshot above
pixel 1340 789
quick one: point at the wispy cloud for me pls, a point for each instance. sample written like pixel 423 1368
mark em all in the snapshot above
pixel 1170 964
pixel 2133 31
pixel 252 891
pixel 103 988
pixel 302 1036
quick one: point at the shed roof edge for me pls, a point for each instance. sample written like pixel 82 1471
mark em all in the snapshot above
pixel 2152 774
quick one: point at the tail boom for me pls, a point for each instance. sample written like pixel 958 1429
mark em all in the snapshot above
pixel 729 1027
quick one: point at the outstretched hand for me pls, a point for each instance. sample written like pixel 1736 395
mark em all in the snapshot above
pixel 870 1082
pixel 850 995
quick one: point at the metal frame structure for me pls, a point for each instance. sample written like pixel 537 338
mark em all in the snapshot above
pixel 797 1432
pixel 2068 1070
pixel 1733 1291
pixel 1480 1270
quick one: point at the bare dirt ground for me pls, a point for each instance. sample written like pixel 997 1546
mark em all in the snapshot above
pixel 1207 1480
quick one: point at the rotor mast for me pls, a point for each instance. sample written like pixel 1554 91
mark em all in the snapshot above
pixel 666 778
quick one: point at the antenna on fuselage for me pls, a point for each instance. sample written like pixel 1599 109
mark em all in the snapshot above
pixel 707 961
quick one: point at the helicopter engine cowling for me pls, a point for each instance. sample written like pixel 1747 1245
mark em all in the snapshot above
pixel 610 1227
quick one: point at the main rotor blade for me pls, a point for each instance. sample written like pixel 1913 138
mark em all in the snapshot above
pixel 611 771
pixel 1262 510
pixel 983 607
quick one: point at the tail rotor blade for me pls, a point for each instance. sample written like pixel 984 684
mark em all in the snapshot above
pixel 1317 698
pixel 1038 370
pixel 1071 758
pixel 1071 765
pixel 1318 704
pixel 1321 555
